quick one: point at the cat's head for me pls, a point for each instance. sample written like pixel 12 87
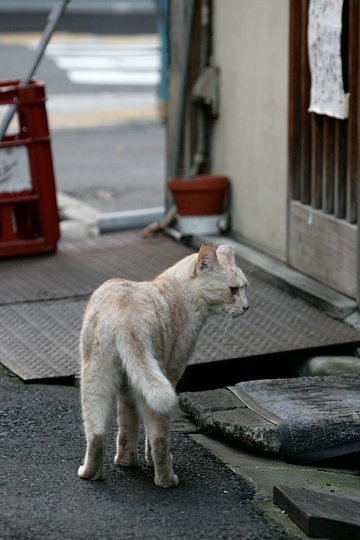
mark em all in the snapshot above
pixel 221 282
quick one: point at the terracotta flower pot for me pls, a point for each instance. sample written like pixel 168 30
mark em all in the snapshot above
pixel 202 196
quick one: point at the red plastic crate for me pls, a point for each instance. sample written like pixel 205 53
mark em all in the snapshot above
pixel 29 221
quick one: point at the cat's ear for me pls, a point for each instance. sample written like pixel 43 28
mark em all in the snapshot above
pixel 227 251
pixel 207 259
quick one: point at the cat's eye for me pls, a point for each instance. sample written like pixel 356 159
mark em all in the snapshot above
pixel 234 290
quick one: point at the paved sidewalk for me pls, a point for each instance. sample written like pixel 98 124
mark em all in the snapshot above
pixel 41 497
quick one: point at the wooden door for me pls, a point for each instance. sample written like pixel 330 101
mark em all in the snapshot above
pixel 323 163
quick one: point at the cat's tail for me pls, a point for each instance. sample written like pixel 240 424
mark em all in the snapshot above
pixel 146 377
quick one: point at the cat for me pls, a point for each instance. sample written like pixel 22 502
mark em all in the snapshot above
pixel 135 342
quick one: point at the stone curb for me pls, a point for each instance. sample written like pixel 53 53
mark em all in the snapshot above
pixel 220 413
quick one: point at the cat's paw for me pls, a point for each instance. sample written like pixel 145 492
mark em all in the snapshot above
pixel 128 459
pixel 89 474
pixel 169 481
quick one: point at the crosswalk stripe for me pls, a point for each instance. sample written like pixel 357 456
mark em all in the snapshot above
pixel 76 62
pixel 135 64
pixel 84 76
pixel 103 52
pixel 72 103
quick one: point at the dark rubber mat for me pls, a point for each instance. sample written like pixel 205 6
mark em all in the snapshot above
pixel 316 417
pixel 42 300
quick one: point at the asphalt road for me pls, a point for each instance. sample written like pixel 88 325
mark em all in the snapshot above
pixel 113 169
pixel 107 141
pixel 42 445
pixel 105 17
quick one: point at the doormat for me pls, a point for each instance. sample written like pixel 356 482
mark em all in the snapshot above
pixel 316 417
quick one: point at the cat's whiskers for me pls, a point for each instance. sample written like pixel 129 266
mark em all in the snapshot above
pixel 229 317
pixel 251 269
pixel 212 321
pixel 223 322
pixel 238 322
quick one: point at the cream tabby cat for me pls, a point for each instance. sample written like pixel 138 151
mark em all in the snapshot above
pixel 135 342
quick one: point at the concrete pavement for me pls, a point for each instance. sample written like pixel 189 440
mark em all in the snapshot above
pixel 109 17
pixel 42 444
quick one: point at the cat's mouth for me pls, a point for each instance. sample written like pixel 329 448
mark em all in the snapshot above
pixel 239 313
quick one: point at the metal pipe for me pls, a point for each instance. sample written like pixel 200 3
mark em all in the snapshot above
pixel 52 21
pixel 199 156
pixel 129 219
pixel 180 117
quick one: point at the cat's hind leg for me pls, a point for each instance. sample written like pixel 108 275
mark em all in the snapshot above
pixel 92 467
pixel 148 456
pixel 158 441
pixel 127 439
pixel 99 383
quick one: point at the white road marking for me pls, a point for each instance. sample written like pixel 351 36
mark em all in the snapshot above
pixel 85 76
pixel 135 64
pixel 112 66
pixel 79 103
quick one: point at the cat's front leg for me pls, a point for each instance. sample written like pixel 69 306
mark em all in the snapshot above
pixel 127 439
pixel 158 434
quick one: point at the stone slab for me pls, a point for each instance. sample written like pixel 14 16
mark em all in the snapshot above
pixel 303 419
pixel 220 413
pixel 316 417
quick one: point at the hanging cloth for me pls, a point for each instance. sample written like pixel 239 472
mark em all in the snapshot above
pixel 327 94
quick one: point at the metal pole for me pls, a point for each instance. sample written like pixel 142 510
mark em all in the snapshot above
pixel 180 117
pixel 52 21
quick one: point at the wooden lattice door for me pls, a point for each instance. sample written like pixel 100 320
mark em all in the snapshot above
pixel 323 163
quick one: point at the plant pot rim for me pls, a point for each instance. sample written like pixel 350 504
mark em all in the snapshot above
pixel 204 195
pixel 198 183
pixel 199 178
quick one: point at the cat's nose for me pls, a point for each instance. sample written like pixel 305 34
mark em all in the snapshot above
pixel 246 307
